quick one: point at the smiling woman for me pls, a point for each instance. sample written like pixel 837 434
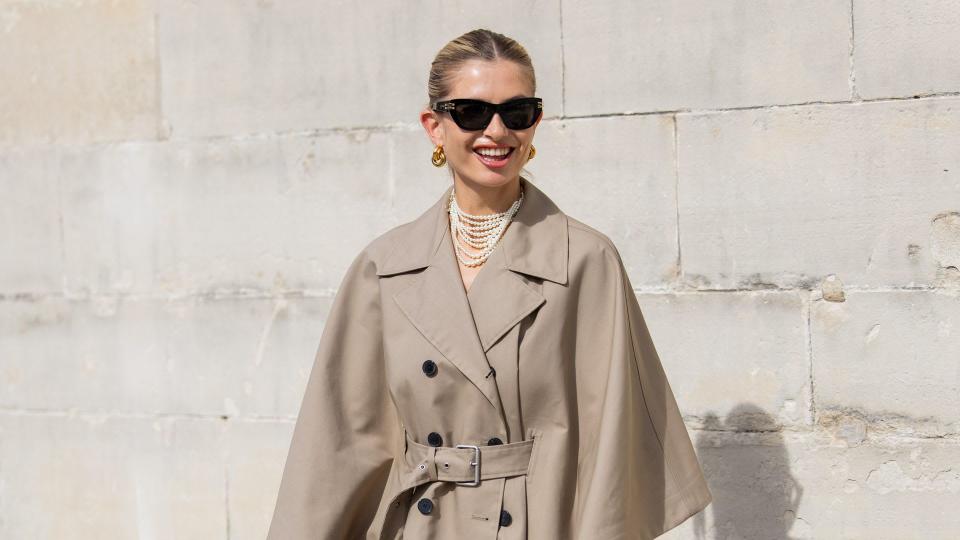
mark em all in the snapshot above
pixel 531 404
pixel 482 117
pixel 492 115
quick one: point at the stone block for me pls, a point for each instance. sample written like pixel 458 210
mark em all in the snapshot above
pixel 258 67
pixel 75 72
pixel 83 476
pixel 889 359
pixel 279 214
pixel 906 48
pixel 197 355
pixel 806 486
pixel 785 197
pixel 721 350
pixel 256 455
pixel 31 261
pixel 638 56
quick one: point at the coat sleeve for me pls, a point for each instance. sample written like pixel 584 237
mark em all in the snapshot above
pixel 344 439
pixel 638 474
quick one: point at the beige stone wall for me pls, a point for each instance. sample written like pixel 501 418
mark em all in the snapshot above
pixel 182 184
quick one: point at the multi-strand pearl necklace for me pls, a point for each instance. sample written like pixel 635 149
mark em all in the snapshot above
pixel 480 232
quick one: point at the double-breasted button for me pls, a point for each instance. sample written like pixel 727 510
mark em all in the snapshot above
pixel 430 368
pixel 435 439
pixel 505 518
pixel 494 441
pixel 425 506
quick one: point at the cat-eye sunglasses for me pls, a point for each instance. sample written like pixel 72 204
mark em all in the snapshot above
pixel 474 114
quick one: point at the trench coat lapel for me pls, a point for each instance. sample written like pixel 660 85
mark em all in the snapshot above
pixel 535 244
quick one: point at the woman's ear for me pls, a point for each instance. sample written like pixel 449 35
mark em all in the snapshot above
pixel 431 124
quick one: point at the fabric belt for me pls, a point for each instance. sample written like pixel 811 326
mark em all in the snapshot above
pixel 453 464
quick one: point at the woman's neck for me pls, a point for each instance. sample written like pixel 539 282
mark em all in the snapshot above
pixel 478 199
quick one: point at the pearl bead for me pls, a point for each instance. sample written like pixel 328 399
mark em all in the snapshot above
pixel 481 232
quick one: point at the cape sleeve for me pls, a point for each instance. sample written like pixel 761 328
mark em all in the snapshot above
pixel 344 439
pixel 638 473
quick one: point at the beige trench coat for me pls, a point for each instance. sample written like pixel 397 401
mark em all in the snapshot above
pixel 545 366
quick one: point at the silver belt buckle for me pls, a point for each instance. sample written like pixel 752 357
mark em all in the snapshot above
pixel 475 463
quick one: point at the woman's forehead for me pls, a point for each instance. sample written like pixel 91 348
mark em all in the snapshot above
pixel 491 80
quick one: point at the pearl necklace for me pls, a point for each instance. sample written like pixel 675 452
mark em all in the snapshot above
pixel 481 232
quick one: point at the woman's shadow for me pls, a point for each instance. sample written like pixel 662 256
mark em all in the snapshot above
pixel 747 465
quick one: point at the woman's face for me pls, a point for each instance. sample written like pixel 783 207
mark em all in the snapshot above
pixel 495 82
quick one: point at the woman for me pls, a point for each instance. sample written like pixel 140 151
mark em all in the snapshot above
pixel 487 378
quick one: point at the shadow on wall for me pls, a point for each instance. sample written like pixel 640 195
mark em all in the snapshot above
pixel 748 468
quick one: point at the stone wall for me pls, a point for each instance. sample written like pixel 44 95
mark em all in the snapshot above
pixel 183 183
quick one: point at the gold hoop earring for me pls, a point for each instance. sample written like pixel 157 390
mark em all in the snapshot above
pixel 533 152
pixel 439 158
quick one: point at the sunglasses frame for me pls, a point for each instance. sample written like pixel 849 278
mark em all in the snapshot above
pixel 450 106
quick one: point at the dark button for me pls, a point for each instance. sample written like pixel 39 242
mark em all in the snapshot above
pixel 435 439
pixel 505 518
pixel 425 506
pixel 494 441
pixel 430 368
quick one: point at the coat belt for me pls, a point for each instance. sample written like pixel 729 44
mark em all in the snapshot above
pixel 452 464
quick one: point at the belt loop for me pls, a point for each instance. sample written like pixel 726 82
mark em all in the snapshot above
pixel 432 458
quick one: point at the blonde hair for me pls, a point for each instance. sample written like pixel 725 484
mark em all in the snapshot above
pixel 479 44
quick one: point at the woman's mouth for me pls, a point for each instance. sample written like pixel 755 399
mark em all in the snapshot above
pixel 494 157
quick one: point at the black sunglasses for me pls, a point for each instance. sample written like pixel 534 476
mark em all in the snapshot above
pixel 473 114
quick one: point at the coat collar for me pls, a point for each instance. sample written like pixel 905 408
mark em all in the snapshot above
pixel 535 243
pixel 465 325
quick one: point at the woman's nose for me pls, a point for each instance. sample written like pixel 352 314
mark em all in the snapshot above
pixel 495 127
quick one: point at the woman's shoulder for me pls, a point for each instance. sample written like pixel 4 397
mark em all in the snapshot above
pixel 595 264
pixel 590 245
pixel 383 248
pixel 382 244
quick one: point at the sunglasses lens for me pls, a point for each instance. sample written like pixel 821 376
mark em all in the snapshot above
pixel 520 115
pixel 473 115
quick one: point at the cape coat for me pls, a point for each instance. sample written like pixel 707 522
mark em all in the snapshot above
pixel 545 365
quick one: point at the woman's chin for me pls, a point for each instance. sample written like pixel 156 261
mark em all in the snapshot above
pixel 492 179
